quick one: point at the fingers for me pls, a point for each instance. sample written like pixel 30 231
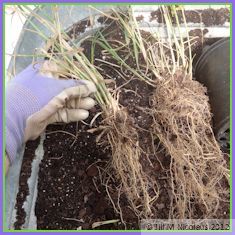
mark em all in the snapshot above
pixel 81 103
pixel 87 87
pixel 65 96
pixel 49 69
pixel 77 89
pixel 37 122
pixel 69 115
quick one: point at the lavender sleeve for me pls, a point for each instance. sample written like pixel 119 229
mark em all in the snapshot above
pixel 20 104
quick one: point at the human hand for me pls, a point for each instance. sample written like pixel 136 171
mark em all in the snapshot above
pixel 34 100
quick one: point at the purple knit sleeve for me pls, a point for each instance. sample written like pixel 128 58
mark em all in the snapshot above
pixel 20 104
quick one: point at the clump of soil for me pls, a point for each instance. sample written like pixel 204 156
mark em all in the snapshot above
pixel 25 173
pixel 208 17
pixel 140 18
pixel 215 17
pixel 79 28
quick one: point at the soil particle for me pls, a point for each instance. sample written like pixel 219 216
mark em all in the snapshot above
pixel 198 32
pixel 92 171
pixel 79 28
pixel 140 18
pixel 106 20
pixel 101 206
pixel 157 15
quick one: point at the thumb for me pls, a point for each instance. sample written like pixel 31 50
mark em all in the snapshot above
pixel 90 86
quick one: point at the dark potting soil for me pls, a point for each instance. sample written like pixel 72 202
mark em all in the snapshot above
pixel 79 28
pixel 208 17
pixel 25 173
pixel 70 192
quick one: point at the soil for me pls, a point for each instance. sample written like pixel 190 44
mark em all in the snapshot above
pixel 208 17
pixel 25 173
pixel 79 28
pixel 71 194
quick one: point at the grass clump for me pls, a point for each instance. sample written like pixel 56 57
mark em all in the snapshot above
pixel 70 62
pixel 181 113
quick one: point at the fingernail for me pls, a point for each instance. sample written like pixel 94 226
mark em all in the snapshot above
pixel 80 82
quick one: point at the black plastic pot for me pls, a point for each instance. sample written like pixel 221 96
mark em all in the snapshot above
pixel 213 70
